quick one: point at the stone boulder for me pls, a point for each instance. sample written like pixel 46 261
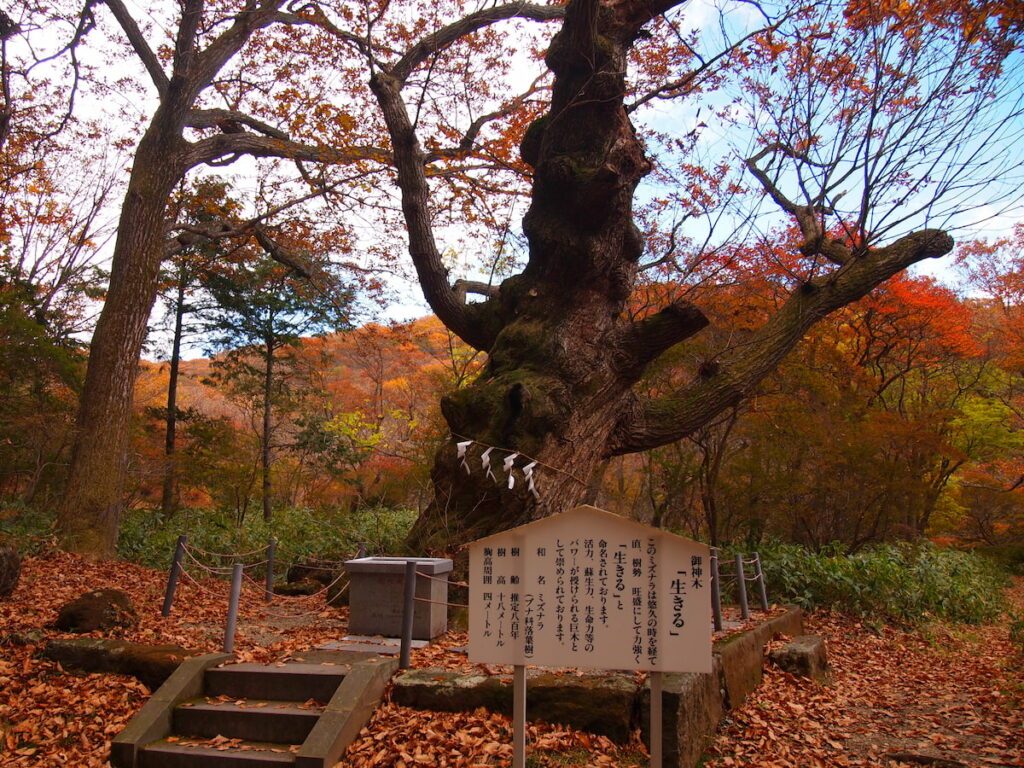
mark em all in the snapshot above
pixel 102 609
pixel 313 569
pixel 152 664
pixel 298 588
pixel 337 591
pixel 10 569
pixel 804 656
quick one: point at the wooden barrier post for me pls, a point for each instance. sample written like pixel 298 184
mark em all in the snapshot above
pixel 519 716
pixel 408 612
pixel 172 578
pixel 741 584
pixel 656 722
pixel 716 591
pixel 236 593
pixel 271 551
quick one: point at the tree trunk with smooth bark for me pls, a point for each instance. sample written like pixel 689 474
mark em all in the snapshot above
pixel 89 514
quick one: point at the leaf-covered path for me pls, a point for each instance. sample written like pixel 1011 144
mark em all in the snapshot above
pixel 955 693
pixel 939 693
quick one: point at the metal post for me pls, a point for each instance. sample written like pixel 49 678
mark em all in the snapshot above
pixel 271 551
pixel 236 593
pixel 656 737
pixel 741 583
pixel 172 578
pixel 759 571
pixel 519 716
pixel 716 590
pixel 408 611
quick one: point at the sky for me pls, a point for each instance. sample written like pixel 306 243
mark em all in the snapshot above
pixel 124 107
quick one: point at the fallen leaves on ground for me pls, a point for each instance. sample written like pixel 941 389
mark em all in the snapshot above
pixel 948 691
pixel 399 737
pixel 941 691
pixel 50 717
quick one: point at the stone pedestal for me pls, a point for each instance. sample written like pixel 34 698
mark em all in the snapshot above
pixel 375 596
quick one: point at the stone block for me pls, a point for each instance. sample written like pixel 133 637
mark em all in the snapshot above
pixel 691 709
pixel 741 657
pixel 100 609
pixel 376 592
pixel 804 656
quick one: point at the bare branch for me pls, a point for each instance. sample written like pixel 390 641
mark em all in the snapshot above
pixel 227 120
pixel 140 46
pixel 216 148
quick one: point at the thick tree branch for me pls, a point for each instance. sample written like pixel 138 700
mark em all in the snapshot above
pixel 463 288
pixel 412 181
pixel 649 424
pixel 140 46
pixel 217 148
pixel 229 120
pixel 444 37
pixel 646 339
pixel 295 261
pixel 212 59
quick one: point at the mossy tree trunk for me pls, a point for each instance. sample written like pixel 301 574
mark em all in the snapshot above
pixel 564 354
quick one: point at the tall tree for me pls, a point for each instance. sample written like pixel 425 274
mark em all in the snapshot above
pixel 260 312
pixel 875 104
pixel 859 142
pixel 206 40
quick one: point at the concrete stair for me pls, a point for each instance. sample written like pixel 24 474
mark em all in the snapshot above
pixel 253 715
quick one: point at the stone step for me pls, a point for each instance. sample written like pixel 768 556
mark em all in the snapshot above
pixel 285 682
pixel 250 719
pixel 167 754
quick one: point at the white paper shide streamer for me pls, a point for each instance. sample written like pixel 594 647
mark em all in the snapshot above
pixel 462 454
pixel 508 465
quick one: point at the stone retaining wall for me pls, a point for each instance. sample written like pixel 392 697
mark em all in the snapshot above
pixel 612 704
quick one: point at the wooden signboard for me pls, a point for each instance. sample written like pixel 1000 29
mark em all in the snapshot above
pixel 586 588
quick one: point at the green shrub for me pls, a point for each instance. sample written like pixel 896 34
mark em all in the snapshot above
pixel 147 539
pixel 1017 632
pixel 897 582
pixel 26 528
pixel 1010 556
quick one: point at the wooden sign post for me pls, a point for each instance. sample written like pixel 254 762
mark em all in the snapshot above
pixel 587 588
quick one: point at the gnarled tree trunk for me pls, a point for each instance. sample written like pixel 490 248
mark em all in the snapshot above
pixel 563 353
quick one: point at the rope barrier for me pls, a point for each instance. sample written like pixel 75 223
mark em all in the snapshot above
pixel 216 570
pixel 445 580
pixel 440 602
pixel 263 588
pixel 227 555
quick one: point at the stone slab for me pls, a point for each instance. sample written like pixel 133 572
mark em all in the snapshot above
pixel 601 703
pixel 152 664
pixel 692 707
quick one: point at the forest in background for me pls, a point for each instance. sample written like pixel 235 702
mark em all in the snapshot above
pixel 627 337
pixel 897 418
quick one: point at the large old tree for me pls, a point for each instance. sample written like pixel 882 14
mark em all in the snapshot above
pixel 863 123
